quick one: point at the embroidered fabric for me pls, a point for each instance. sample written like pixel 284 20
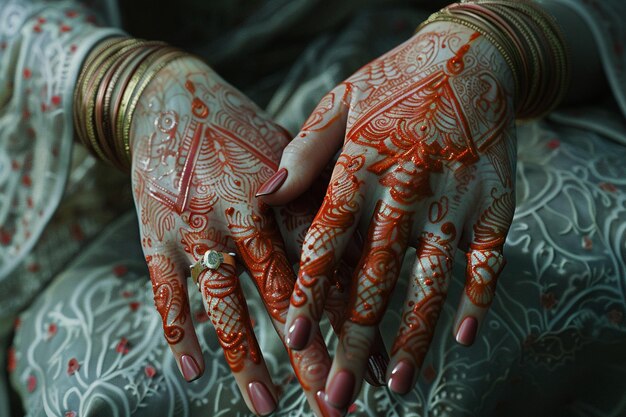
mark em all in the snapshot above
pixel 42 46
pixel 91 343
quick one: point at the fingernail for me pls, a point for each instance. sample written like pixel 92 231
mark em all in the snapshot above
pixel 298 334
pixel 401 377
pixel 261 398
pixel 377 369
pixel 340 389
pixel 191 370
pixel 327 409
pixel 273 183
pixel 467 331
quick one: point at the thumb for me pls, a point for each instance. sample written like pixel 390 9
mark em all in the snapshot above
pixel 306 156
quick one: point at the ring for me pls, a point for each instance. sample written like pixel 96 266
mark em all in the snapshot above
pixel 212 259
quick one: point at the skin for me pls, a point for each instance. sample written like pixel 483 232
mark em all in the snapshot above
pixel 428 160
pixel 200 151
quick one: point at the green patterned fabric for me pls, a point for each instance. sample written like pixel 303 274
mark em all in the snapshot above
pixel 90 343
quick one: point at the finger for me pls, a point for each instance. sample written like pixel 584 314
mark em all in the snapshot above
pixel 227 309
pixel 485 262
pixel 169 285
pixel 336 310
pixel 483 268
pixel 427 292
pixel 376 276
pixel 261 250
pixel 295 219
pixel 310 151
pixel 324 244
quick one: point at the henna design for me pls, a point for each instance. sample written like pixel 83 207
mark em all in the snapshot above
pixel 200 151
pixel 335 218
pixel 483 269
pixel 337 297
pixel 430 286
pixel 312 364
pixel 191 161
pixel 316 120
pixel 170 298
pixel 379 270
pixel 356 340
pixel 228 312
pixel 438 210
pixel 200 237
pixel 323 115
pixel 463 176
pixel 430 117
pixel 423 117
pixel 490 229
pixel 500 159
pixel 258 242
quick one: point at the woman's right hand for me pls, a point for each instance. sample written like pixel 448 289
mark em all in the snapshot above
pixel 427 161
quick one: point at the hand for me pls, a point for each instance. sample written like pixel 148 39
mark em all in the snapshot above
pixel 200 151
pixel 428 161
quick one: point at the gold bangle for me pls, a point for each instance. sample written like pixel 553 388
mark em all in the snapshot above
pixel 104 117
pixel 144 61
pixel 159 63
pixel 108 59
pixel 553 49
pixel 558 49
pixel 107 92
pixel 80 86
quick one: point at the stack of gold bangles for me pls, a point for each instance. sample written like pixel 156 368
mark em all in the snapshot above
pixel 108 89
pixel 530 42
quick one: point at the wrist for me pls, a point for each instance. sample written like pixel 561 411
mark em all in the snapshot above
pixel 530 42
pixel 108 88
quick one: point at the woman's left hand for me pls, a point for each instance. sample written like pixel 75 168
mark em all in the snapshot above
pixel 428 161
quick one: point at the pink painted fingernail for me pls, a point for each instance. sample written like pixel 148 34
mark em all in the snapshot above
pixel 467 331
pixel 273 183
pixel 340 389
pixel 327 409
pixel 261 398
pixel 401 379
pixel 299 333
pixel 191 370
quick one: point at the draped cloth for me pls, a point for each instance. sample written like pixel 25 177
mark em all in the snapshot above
pixel 88 340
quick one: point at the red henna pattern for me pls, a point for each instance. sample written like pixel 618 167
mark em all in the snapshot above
pixel 258 242
pixel 228 312
pixel 378 271
pixel 501 161
pixel 483 269
pixel 491 228
pixel 337 297
pixel 196 169
pixel 320 119
pixel 433 268
pixel 463 176
pixel 418 120
pixel 170 297
pixel 199 238
pixel 335 217
pixel 312 364
pixel 439 104
pixel 316 120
